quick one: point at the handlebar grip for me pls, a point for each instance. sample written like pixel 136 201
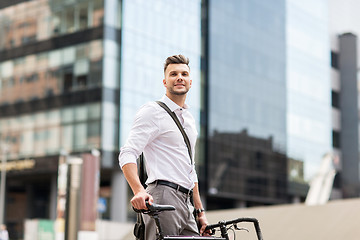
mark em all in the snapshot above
pixel 142 210
pixel 154 208
pixel 211 226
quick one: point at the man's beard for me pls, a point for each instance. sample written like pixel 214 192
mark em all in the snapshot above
pixel 171 90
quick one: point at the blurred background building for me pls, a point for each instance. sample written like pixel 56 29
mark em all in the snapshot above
pixel 275 88
pixel 345 55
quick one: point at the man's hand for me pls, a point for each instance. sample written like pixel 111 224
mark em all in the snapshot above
pixel 138 201
pixel 203 223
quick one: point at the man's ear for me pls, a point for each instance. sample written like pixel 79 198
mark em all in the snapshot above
pixel 164 82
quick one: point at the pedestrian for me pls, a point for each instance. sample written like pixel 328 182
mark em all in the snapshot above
pixel 172 178
pixel 4 235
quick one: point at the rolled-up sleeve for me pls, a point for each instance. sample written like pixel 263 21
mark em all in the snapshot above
pixel 194 176
pixel 126 157
pixel 143 131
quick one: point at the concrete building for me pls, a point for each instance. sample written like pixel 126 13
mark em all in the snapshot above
pixel 344 29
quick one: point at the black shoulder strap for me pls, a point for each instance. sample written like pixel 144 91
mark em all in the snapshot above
pixel 176 120
pixel 142 171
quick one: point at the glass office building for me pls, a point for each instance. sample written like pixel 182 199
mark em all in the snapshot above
pixel 309 125
pixel 59 93
pixel 269 109
pixel 247 103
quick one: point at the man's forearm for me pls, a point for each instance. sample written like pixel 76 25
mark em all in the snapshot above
pixel 140 195
pixel 196 197
pixel 201 218
pixel 131 175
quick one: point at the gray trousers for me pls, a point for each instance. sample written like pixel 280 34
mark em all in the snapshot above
pixel 178 222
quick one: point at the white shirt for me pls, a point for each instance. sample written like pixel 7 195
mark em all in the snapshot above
pixel 156 134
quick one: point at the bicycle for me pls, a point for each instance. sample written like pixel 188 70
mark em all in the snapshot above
pixel 155 209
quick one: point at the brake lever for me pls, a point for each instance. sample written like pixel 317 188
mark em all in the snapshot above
pixel 240 229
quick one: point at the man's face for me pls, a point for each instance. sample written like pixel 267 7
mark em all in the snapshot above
pixel 177 79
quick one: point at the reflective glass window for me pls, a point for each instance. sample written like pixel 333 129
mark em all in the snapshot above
pixel 309 89
pixel 94 111
pixel 68 55
pixel 83 17
pixel 56 19
pixel 81 113
pixel 80 136
pixel 53 141
pixel 67 115
pixel 247 99
pixel 37 20
pixel 45 74
pixel 70 19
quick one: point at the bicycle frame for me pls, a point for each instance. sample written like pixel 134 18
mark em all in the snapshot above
pixel 160 236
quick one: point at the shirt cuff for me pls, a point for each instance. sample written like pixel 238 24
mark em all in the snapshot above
pixel 125 158
pixel 194 177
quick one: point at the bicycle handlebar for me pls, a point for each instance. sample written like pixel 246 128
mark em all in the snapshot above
pixel 154 208
pixel 246 219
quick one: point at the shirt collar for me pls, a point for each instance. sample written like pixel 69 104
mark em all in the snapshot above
pixel 173 106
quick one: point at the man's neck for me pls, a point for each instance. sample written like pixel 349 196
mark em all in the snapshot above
pixel 178 99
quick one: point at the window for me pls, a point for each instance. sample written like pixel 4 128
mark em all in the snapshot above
pixel 28 39
pixel 259 162
pixel 94 111
pixel 95 73
pixel 70 20
pixel 32 78
pixel 98 13
pixel 54 79
pixel 93 134
pixel 80 131
pixel 67 137
pixel 336 139
pixel 83 16
pixel 81 81
pixel 334 60
pixel 56 23
pixel 10 82
pixel 335 99
pixel 68 79
pixel 81 70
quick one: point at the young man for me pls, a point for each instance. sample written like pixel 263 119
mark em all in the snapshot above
pixel 172 178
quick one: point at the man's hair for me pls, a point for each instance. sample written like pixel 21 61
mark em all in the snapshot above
pixel 176 59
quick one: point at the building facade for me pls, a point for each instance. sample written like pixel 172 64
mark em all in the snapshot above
pixel 246 103
pixel 308 84
pixel 344 42
pixel 54 57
